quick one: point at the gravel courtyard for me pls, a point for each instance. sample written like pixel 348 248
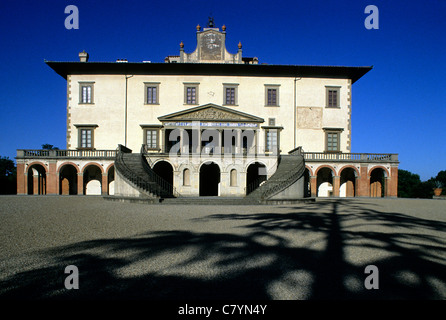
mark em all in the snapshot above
pixel 304 251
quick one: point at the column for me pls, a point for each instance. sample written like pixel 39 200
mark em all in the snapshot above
pixel 51 178
pixel 36 181
pixel 22 180
pixel 336 185
pixel 357 186
pixel 80 183
pixel 393 183
pixel 364 182
pixel 313 186
pixel 104 184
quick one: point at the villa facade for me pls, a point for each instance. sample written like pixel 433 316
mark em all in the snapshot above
pixel 207 123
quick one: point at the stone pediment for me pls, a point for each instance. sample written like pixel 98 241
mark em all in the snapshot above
pixel 211 112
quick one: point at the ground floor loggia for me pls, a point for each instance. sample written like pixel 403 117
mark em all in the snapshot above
pixel 78 172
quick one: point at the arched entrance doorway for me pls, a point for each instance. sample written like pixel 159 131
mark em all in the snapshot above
pixel 165 171
pixel 92 180
pixel 377 183
pixel 67 180
pixel 347 183
pixel 255 175
pixel 36 179
pixel 325 182
pixel 209 179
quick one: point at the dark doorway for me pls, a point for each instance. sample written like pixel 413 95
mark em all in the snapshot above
pixel 164 170
pixel 377 183
pixel 255 175
pixel 209 179
pixel 68 180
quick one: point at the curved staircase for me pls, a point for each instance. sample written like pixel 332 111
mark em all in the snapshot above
pixel 134 168
pixel 290 169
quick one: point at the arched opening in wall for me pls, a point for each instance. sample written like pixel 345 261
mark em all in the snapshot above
pixel 209 179
pixel 307 184
pixel 92 180
pixel 255 175
pixel 68 180
pixel 186 177
pixel 233 178
pixel 377 183
pixel 347 183
pixel 36 179
pixel 111 180
pixel 325 182
pixel 165 171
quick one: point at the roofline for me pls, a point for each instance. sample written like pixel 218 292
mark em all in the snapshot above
pixel 142 68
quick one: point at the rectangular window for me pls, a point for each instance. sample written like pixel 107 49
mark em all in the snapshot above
pixel 86 138
pixel 191 97
pixel 190 93
pixel 85 135
pixel 230 96
pixel 271 140
pixel 333 96
pixel 151 94
pixel 332 141
pixel 272 95
pixel 86 93
pixel 152 138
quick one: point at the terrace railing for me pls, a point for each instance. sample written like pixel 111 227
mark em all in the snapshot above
pixel 354 157
pixel 66 153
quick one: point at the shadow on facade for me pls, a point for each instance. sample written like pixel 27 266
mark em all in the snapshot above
pixel 260 263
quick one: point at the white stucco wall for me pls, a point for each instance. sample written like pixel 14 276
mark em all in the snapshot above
pixel 108 110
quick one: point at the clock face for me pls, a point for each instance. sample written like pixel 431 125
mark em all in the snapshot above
pixel 211 46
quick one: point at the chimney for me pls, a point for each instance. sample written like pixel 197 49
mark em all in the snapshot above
pixel 83 56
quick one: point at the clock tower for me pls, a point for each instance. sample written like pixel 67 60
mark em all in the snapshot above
pixel 211 47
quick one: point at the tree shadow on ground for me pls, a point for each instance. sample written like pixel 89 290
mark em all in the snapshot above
pixel 267 256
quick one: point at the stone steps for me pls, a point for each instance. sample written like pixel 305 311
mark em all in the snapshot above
pixel 209 201
pixel 133 163
pixel 288 165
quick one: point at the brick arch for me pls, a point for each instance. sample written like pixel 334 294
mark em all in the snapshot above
pixel 94 164
pixel 325 166
pixel 387 174
pixel 378 188
pixel 109 167
pixel 68 163
pixel 36 162
pixel 350 166
pixel 349 187
pixel 309 170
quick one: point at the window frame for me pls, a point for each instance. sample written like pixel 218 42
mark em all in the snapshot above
pixel 269 87
pixel 333 131
pixel 155 85
pixel 277 130
pixel 227 86
pixel 337 89
pixel 191 85
pixel 86 84
pixel 157 129
pixel 85 127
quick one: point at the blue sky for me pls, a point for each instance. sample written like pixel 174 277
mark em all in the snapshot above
pixel 398 107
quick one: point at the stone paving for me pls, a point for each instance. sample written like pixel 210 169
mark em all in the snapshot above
pixel 303 251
